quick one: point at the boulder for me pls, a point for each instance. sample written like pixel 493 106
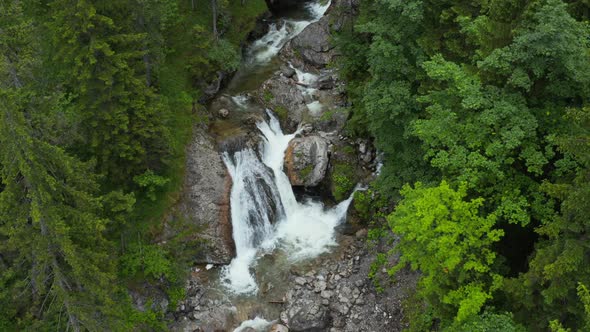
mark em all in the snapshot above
pixel 307 314
pixel 279 328
pixel 287 71
pixel 326 82
pixel 212 88
pixel 205 200
pixel 283 96
pixel 313 44
pixel 307 160
pixel 224 112
pixel 217 316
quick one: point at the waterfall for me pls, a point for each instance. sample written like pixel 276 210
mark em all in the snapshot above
pixel 265 213
pixel 267 47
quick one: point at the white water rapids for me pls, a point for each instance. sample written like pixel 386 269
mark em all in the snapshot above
pixel 262 194
pixel 265 48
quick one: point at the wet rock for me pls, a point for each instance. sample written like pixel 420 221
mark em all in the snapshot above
pixel 213 87
pixel 300 281
pixel 224 112
pixel 361 233
pixel 261 28
pixel 307 314
pixel 306 129
pixel 326 83
pixel 313 44
pixel 306 160
pixel 283 96
pixel 287 71
pixel 279 328
pixel 205 200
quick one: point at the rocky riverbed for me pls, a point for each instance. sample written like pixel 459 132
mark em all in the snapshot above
pixel 330 293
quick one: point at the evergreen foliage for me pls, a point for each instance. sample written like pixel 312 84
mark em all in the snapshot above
pixel 484 105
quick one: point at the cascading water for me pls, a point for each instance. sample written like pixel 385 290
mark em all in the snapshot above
pixel 307 82
pixel 262 194
pixel 265 48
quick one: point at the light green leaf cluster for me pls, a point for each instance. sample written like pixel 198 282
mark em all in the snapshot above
pixel 443 237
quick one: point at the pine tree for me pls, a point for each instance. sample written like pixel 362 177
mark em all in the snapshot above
pixel 100 61
pixel 55 263
pixel 50 218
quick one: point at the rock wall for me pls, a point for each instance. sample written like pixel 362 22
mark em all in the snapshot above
pixel 206 199
pixel 313 44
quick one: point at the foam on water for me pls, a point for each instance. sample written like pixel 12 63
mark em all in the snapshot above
pixel 258 324
pixel 253 199
pixel 315 108
pixel 240 100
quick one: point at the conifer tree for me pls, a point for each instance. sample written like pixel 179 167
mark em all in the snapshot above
pixel 100 59
pixel 55 266
pixel 50 218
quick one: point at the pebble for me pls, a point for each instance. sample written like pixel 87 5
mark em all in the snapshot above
pixel 300 281
pixel 319 286
pixel 326 294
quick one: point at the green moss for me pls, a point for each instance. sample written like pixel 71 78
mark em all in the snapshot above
pixel 281 112
pixel 328 115
pixel 306 171
pixel 175 295
pixel 267 96
pixel 342 183
pixel 362 203
pixel 349 150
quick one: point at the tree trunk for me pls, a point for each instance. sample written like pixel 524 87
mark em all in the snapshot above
pixel 146 50
pixel 214 12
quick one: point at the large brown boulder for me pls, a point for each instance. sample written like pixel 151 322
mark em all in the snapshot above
pixel 306 160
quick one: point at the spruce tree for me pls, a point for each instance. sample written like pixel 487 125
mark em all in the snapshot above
pixel 56 267
pixel 50 219
pixel 99 59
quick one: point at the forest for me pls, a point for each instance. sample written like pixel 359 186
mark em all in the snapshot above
pixel 480 111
